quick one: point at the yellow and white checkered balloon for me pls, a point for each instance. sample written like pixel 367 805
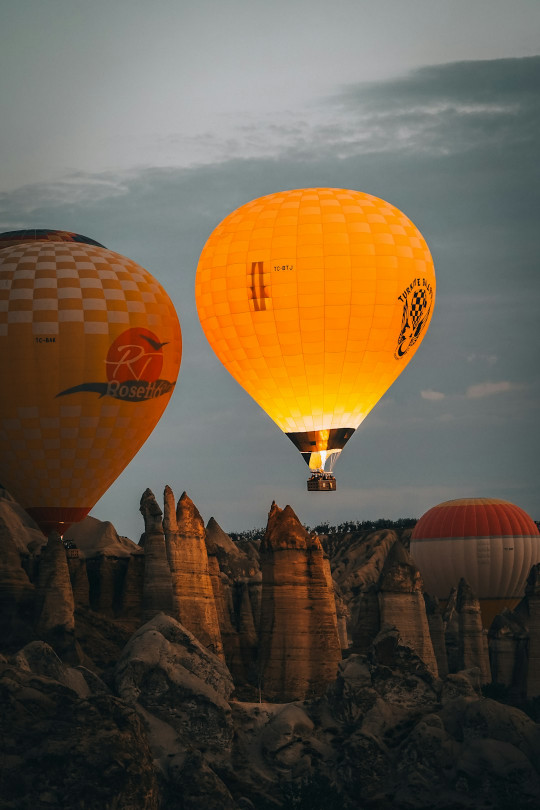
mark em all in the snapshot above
pixel 90 347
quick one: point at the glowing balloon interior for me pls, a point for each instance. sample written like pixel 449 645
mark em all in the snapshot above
pixel 315 300
pixel 491 543
pixel 90 348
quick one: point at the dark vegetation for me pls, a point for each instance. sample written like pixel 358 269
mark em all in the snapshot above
pixel 348 527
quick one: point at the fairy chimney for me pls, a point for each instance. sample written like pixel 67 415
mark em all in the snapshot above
pixel 193 595
pixel 157 587
pixel 299 643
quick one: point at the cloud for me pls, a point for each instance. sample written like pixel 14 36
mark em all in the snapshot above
pixel 488 359
pixel 448 108
pixel 488 389
pixel 434 396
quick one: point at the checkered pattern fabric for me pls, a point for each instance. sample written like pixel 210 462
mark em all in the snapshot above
pixel 419 303
pixel 47 284
pixel 61 307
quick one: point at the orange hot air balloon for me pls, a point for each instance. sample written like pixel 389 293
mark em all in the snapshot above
pixel 90 348
pixel 315 300
pixel 491 543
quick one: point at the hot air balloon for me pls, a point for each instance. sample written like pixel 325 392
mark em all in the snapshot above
pixel 90 348
pixel 43 235
pixel 491 543
pixel 315 300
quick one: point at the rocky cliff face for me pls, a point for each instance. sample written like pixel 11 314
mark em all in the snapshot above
pixel 16 590
pixel 473 646
pixel 532 611
pixel 401 601
pixel 54 605
pixel 357 566
pixel 508 641
pixel 436 631
pixel 381 586
pixel 299 642
pixel 193 596
pixel 66 742
pixel 236 583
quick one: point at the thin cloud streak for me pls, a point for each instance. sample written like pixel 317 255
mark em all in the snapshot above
pixel 488 389
pixel 433 396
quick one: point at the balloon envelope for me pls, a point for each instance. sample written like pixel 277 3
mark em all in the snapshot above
pixel 491 543
pixel 43 235
pixel 90 348
pixel 315 300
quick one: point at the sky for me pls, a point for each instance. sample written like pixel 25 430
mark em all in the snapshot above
pixel 143 125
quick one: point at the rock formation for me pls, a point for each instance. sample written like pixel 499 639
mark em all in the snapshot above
pixel 157 594
pixel 299 644
pixel 357 567
pixel 24 532
pixel 532 606
pixel 436 631
pixel 473 647
pixel 96 550
pixel 61 749
pixel 95 537
pixel 160 730
pixel 452 632
pixel 236 582
pixel 132 591
pixel 54 605
pixel 193 596
pixel 402 604
pixel 171 675
pixel 343 616
pixel 16 590
pixel 78 575
pixel 508 646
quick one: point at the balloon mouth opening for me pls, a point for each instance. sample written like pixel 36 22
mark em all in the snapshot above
pixel 321 461
pixel 321 449
pixel 56 519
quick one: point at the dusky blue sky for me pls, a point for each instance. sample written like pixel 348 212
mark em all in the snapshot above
pixel 143 125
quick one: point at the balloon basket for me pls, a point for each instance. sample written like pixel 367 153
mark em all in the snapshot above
pixel 321 483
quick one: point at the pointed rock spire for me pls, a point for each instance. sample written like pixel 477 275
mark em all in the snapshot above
pixel 436 631
pixel 157 586
pixel 193 595
pixel 402 603
pixel 236 582
pixel 55 605
pixel 299 642
pixel 473 647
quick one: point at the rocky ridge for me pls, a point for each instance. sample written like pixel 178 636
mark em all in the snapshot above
pixel 282 718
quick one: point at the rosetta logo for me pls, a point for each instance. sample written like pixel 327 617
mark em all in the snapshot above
pixel 417 300
pixel 136 354
pixel 133 367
